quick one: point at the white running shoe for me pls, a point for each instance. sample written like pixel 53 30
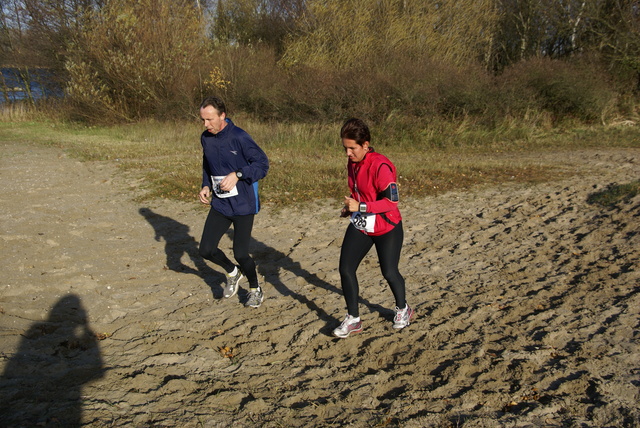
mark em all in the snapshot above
pixel 403 317
pixel 348 326
pixel 232 284
pixel 256 296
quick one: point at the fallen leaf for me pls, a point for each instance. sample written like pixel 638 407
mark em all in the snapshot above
pixel 226 351
pixel 102 336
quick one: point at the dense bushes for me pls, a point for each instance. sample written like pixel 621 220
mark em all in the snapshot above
pixel 252 80
pixel 323 60
pixel 416 87
pixel 567 90
pixel 131 64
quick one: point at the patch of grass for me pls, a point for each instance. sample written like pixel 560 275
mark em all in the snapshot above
pixel 308 162
pixel 614 194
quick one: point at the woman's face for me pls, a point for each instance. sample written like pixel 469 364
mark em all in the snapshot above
pixel 355 152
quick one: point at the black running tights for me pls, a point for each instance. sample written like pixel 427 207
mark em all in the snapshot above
pixel 217 225
pixel 355 246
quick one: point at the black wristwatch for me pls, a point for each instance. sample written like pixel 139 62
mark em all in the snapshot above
pixel 239 175
pixel 363 207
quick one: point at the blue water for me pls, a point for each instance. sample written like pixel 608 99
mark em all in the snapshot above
pixel 41 83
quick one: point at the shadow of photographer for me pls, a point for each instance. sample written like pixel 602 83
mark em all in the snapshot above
pixel 42 382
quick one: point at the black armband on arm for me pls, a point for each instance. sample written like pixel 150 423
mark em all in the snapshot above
pixel 391 193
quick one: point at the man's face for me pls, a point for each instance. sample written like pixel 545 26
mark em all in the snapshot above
pixel 354 151
pixel 212 120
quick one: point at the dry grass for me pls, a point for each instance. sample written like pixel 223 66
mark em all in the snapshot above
pixel 307 160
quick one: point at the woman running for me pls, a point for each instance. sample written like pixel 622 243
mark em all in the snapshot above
pixel 375 220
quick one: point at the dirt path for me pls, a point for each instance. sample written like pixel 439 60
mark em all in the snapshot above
pixel 527 301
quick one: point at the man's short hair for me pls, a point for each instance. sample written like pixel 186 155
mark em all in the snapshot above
pixel 214 102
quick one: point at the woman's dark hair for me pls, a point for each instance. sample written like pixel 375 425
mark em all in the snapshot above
pixel 357 130
pixel 214 102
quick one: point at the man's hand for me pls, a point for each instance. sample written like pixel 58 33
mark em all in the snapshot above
pixel 204 195
pixel 229 182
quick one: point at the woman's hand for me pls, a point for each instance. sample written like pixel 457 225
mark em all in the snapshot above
pixel 351 204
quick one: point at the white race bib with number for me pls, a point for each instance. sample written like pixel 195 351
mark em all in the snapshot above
pixel 364 222
pixel 219 192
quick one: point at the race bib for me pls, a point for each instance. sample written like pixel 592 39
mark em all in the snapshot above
pixel 364 222
pixel 219 192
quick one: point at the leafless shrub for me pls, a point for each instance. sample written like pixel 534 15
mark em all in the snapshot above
pixel 131 64
pixel 565 89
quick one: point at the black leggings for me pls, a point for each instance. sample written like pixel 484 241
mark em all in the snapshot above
pixel 355 246
pixel 216 226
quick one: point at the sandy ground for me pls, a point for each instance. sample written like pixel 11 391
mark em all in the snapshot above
pixel 526 297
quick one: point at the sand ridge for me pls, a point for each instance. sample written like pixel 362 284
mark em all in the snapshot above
pixel 526 298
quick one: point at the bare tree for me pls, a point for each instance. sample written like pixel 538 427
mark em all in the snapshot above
pixel 256 21
pixel 15 51
pixel 52 27
pixel 615 33
pixel 345 34
pixel 538 28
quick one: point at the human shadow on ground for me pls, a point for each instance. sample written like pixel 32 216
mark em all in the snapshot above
pixel 42 382
pixel 269 261
pixel 179 242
